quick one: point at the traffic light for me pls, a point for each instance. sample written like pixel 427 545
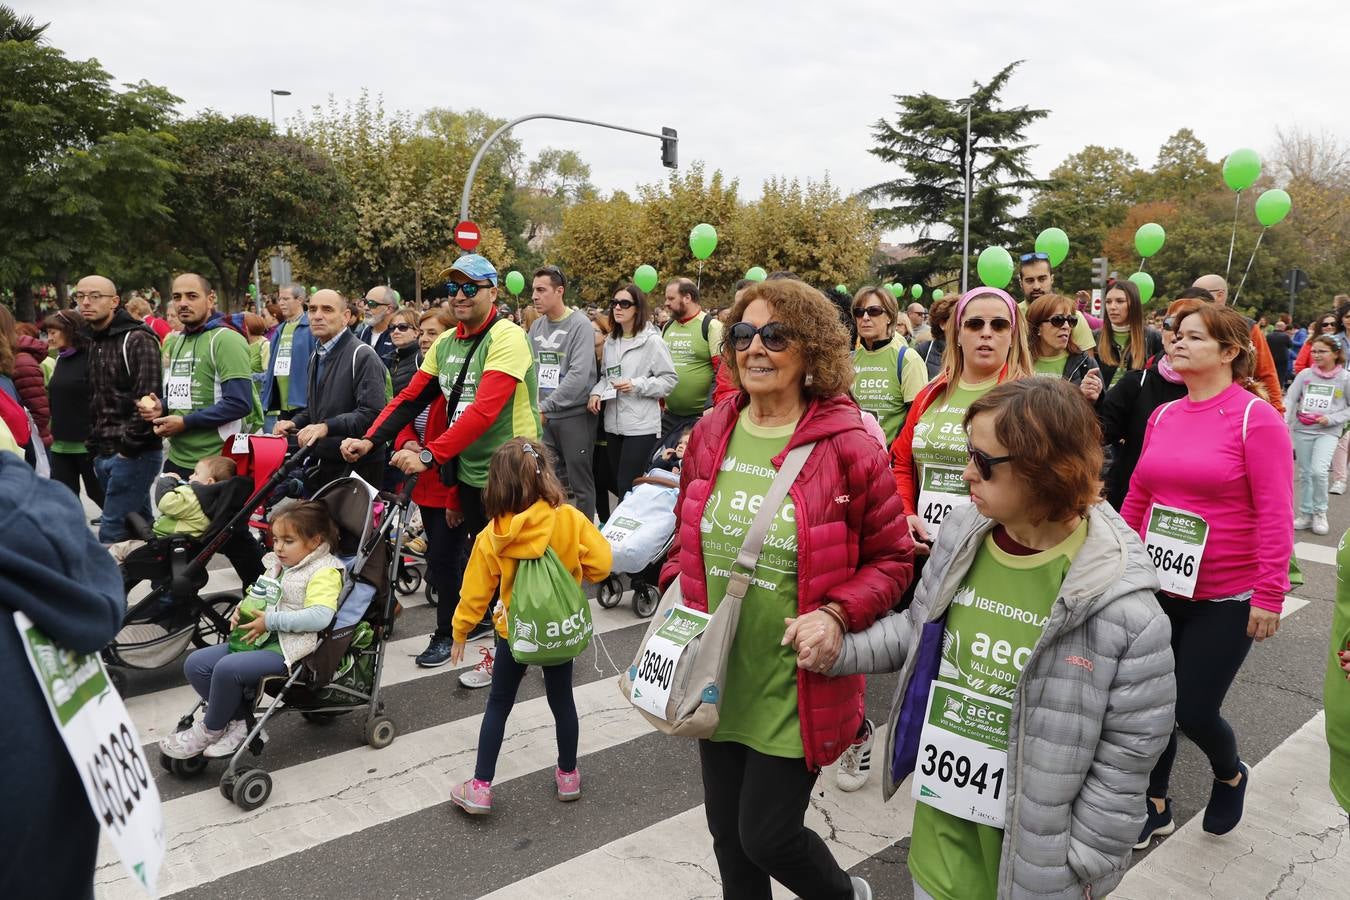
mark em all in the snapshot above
pixel 670 143
pixel 1100 272
pixel 1296 280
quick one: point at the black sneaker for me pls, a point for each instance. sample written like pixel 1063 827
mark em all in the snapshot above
pixel 482 629
pixel 1225 804
pixel 436 654
pixel 1157 824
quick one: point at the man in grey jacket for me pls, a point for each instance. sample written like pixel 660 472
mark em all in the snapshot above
pixel 563 342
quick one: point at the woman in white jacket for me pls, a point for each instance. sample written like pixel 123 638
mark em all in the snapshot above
pixel 636 374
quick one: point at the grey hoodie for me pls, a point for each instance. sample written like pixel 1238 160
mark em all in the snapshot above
pixel 1091 714
pixel 645 360
pixel 572 339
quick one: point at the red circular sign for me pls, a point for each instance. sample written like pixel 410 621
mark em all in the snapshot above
pixel 468 235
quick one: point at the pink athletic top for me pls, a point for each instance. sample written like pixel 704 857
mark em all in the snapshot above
pixel 1195 458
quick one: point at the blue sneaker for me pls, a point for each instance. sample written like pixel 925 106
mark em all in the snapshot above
pixel 436 654
pixel 1157 824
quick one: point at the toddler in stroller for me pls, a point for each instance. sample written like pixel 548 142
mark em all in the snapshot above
pixel 185 509
pixel 640 533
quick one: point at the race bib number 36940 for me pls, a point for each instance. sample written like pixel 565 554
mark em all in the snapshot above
pixel 655 674
pixel 105 748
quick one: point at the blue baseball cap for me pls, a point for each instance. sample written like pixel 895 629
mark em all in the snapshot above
pixel 475 266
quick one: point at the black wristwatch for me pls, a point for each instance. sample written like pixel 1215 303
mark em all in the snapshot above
pixel 427 459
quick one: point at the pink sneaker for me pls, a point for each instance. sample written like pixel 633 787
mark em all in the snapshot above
pixel 569 784
pixel 473 796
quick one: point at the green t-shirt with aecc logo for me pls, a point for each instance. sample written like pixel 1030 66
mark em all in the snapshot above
pixel 940 439
pixel 994 622
pixel 1051 366
pixel 692 356
pixel 198 364
pixel 880 391
pixel 284 341
pixel 759 705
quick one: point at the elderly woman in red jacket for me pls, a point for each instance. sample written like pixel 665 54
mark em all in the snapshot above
pixel 838 555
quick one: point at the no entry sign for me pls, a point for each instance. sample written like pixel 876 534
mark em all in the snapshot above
pixel 468 235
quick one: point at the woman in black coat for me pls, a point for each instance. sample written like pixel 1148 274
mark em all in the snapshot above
pixel 68 393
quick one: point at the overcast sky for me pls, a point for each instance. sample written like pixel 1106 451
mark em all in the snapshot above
pixel 754 88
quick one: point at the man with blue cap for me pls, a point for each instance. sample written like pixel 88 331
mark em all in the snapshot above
pixel 487 374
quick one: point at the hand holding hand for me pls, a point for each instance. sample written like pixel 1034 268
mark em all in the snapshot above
pixel 354 448
pixel 918 530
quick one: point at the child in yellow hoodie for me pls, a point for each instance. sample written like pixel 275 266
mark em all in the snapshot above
pixel 524 503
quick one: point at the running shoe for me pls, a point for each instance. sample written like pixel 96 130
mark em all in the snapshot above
pixel 234 735
pixel 1156 824
pixel 569 784
pixel 1337 487
pixel 417 544
pixel 1302 522
pixel 1319 523
pixel 856 764
pixel 436 654
pixel 861 889
pixel 473 796
pixel 1224 811
pixel 481 630
pixel 480 676
pixel 190 742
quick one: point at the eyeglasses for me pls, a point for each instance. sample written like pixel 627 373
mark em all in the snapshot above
pixel 89 295
pixel 401 326
pixel 774 336
pixel 875 312
pixel 984 463
pixel 1061 320
pixel 1324 324
pixel 622 304
pixel 1028 257
pixel 469 289
pixel 976 323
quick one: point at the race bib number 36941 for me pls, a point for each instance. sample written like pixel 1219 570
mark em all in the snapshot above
pixel 105 748
pixel 963 755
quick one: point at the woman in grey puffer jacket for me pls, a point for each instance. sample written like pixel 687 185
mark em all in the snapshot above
pixel 1035 627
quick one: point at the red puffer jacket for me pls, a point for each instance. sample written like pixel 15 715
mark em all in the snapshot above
pixel 430 491
pixel 32 387
pixel 853 546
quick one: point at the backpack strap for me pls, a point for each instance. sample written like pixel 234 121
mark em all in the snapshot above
pixel 1246 414
pixel 707 323
pixel 900 364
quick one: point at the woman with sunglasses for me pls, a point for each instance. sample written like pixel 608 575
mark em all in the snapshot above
pixel 1036 685
pixel 1051 320
pixel 1316 411
pixel 986 345
pixel 1211 497
pixel 1124 343
pixel 1125 411
pixel 405 358
pixel 836 558
pixel 636 374
pixel 1328 323
pixel 887 373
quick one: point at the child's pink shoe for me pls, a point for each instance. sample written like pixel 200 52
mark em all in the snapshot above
pixel 473 796
pixel 569 784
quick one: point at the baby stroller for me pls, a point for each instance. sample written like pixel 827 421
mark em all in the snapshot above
pixel 343 673
pixel 640 533
pixel 158 628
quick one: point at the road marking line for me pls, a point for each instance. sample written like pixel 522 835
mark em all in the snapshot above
pixel 1317 553
pixel 1292 605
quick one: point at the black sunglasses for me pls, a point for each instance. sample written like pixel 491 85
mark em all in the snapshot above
pixel 998 324
pixel 1028 257
pixel 984 463
pixel 1061 320
pixel 468 288
pixel 402 326
pixel 876 312
pixel 623 304
pixel 774 336
pixel 1328 325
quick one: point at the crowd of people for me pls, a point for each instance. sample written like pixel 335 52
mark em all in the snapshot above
pixel 1014 509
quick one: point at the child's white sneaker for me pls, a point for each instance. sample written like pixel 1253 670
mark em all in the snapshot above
pixel 234 735
pixel 190 742
pixel 1302 522
pixel 1319 523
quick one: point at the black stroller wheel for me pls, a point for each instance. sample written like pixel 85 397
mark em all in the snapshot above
pixel 610 593
pixel 645 600
pixel 430 594
pixel 409 580
pixel 380 732
pixel 251 789
pixel 204 633
pixel 184 768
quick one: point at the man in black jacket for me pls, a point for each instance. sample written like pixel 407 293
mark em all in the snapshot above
pixel 346 391
pixel 124 366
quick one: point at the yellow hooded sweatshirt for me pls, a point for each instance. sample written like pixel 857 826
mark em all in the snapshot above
pixel 508 539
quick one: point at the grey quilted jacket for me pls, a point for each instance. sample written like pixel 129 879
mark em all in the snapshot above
pixel 1092 711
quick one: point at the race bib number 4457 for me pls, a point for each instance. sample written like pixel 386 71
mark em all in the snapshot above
pixel 105 748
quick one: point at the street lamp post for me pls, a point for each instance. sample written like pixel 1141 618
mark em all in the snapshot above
pixel 965 225
pixel 275 94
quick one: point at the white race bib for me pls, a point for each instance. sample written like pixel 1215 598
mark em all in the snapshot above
pixel 239 444
pixel 105 748
pixel 962 767
pixel 618 529
pixel 550 370
pixel 1175 540
pixel 612 374
pixel 178 386
pixel 941 490
pixel 1317 399
pixel 283 366
pixel 661 656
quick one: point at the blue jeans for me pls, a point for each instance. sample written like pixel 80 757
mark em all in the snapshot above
pixel 1313 454
pixel 221 677
pixel 126 489
pixel 506 676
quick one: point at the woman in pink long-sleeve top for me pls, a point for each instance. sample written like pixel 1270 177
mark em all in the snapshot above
pixel 1212 498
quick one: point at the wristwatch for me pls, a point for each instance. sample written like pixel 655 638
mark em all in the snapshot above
pixel 427 459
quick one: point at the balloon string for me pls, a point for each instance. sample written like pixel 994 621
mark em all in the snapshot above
pixel 1237 206
pixel 1249 266
pixel 698 283
pixel 1143 261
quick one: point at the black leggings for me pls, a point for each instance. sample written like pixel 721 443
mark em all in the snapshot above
pixel 630 456
pixel 1209 641
pixel 70 468
pixel 452 549
pixel 506 676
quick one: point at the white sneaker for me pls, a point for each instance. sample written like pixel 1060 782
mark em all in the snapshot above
pixel 1319 523
pixel 1337 487
pixel 480 676
pixel 1302 522
pixel 190 742
pixel 234 735
pixel 856 764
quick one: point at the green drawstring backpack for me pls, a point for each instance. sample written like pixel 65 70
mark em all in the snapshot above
pixel 549 620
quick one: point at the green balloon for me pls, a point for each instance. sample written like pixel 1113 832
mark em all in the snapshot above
pixel 756 273
pixel 644 276
pixel 253 290
pixel 841 288
pixel 1148 240
pixel 1241 169
pixel 313 290
pixel 1272 207
pixel 995 267
pixel 1144 282
pixel 916 292
pixel 515 282
pixel 897 290
pixel 702 240
pixel 1054 243
pixel 938 294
